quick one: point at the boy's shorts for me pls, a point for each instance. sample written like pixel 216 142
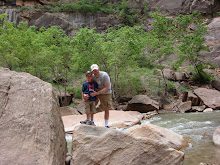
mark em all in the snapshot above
pixel 105 102
pixel 90 107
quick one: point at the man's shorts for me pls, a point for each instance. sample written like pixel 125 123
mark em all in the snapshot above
pixel 105 102
pixel 90 106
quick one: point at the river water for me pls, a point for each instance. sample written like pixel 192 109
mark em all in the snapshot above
pixel 199 128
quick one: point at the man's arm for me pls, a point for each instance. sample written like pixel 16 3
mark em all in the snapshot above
pixel 105 89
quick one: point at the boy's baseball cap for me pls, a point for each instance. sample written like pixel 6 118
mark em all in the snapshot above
pixel 94 66
pixel 88 72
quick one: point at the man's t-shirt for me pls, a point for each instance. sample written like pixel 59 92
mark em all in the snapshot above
pixel 87 88
pixel 101 80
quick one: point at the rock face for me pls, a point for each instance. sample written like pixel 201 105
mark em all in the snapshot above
pixel 99 145
pixel 161 134
pixel 216 137
pixel 213 41
pixel 31 128
pixel 142 103
pixel 175 7
pixel 210 97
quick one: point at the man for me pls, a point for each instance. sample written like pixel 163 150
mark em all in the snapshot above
pixel 104 91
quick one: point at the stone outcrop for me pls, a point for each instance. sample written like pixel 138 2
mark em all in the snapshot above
pixel 161 134
pixel 99 145
pixel 31 128
pixel 68 110
pixel 143 104
pixel 210 97
pixel 213 41
pixel 216 137
pixel 175 7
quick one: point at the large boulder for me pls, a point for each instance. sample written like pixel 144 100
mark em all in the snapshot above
pixel 164 135
pixel 216 137
pixel 210 97
pixel 99 145
pixel 143 104
pixel 31 128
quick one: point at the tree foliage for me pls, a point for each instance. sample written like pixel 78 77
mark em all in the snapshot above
pixel 53 56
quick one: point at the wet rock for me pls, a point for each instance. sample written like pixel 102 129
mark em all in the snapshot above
pixel 216 137
pixel 99 145
pixel 32 131
pixel 208 110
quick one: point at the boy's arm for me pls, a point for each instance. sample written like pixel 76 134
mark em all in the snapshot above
pixel 83 99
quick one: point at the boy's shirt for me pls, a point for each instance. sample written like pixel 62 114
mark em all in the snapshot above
pixel 89 87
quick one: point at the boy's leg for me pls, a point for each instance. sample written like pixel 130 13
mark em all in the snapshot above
pixel 92 115
pixel 87 108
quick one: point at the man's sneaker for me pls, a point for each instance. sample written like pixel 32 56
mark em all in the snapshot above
pixel 107 126
pixel 84 122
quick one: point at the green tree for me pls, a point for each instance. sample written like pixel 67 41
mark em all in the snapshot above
pixel 189 32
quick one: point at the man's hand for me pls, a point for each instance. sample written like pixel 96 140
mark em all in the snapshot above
pixel 94 94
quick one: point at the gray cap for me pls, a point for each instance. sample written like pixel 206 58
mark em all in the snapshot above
pixel 88 72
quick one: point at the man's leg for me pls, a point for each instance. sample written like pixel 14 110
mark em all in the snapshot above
pixel 106 116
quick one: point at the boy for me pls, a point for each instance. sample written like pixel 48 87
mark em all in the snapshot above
pixel 88 87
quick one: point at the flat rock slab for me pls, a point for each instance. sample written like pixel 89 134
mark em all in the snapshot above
pixel 117 119
pixel 210 97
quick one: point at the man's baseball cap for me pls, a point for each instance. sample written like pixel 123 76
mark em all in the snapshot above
pixel 94 66
pixel 88 72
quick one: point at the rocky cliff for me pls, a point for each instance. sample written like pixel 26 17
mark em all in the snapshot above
pixel 71 21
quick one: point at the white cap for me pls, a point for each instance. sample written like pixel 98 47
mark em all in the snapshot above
pixel 94 66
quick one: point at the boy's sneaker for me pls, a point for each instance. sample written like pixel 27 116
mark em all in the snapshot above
pixel 107 126
pixel 90 123
pixel 93 123
pixel 84 122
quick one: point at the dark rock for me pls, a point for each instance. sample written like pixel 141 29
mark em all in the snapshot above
pixel 142 103
pixel 193 98
pixel 215 84
pixel 123 99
